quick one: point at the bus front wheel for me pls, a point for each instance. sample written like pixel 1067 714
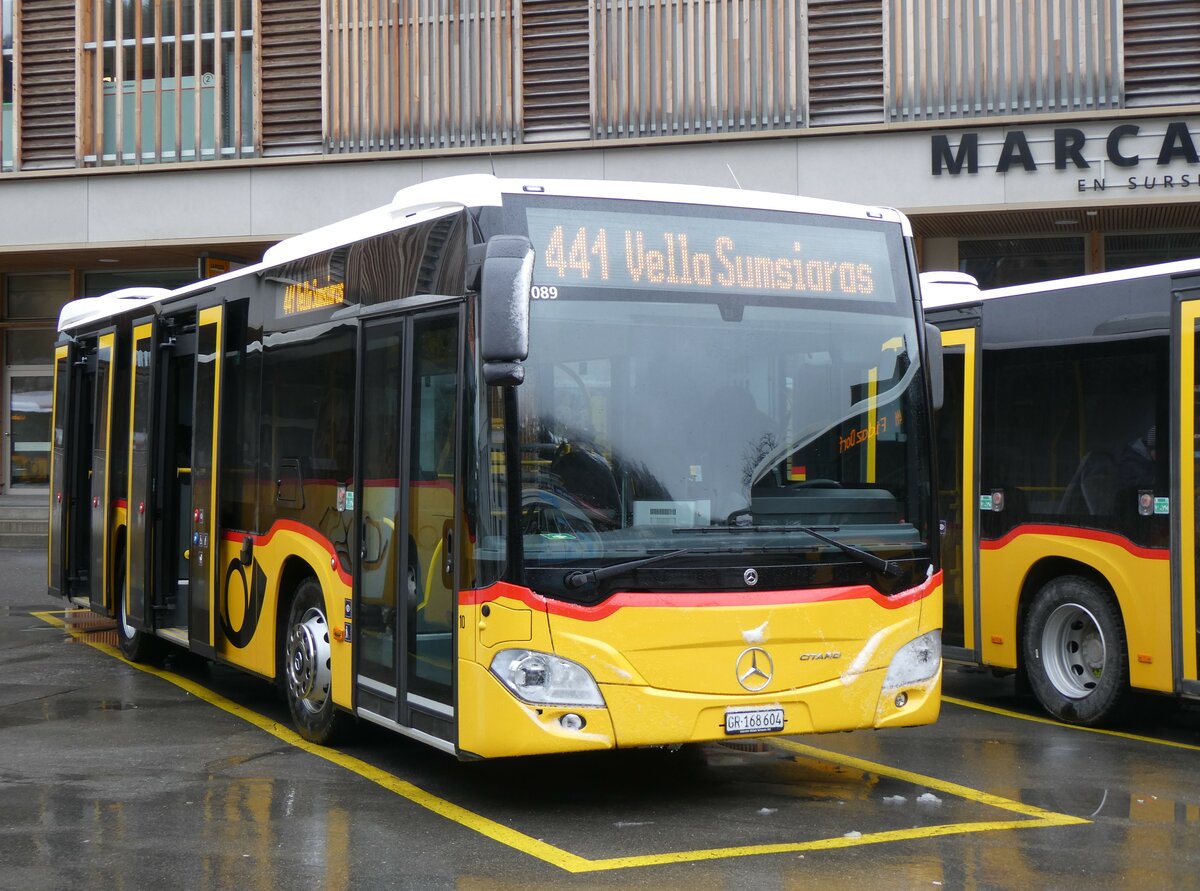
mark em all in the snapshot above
pixel 308 676
pixel 1075 652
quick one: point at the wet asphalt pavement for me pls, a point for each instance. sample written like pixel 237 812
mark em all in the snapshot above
pixel 189 777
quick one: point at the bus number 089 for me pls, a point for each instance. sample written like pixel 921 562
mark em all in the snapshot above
pixel 543 292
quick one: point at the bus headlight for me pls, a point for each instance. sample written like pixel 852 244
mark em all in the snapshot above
pixel 546 679
pixel 915 662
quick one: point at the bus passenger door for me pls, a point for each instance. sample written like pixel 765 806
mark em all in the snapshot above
pixel 186 533
pixel 139 537
pixel 1185 611
pixel 100 475
pixel 957 473
pixel 205 466
pixel 61 460
pixel 405 590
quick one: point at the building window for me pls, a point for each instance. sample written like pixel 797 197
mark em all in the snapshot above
pixel 28 357
pixel 996 263
pixel 170 81
pixel 97 283
pixel 36 297
pixel 6 83
pixel 1128 251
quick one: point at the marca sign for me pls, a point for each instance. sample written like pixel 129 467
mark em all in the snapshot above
pixel 1145 156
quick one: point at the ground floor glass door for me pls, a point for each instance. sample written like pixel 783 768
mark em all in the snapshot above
pixel 29 405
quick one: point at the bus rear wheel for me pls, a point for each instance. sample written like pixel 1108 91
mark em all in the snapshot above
pixel 136 646
pixel 1075 652
pixel 307 671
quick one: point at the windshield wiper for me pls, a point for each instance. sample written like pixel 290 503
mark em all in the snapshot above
pixel 887 567
pixel 578 578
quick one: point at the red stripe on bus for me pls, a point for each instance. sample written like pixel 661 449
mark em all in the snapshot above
pixel 1110 538
pixel 298 529
pixel 694 599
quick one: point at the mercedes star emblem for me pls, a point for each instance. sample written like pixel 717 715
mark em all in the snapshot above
pixel 754 668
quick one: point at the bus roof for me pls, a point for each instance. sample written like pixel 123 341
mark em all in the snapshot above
pixel 90 309
pixel 433 198
pixel 439 196
pixel 937 296
pixel 945 288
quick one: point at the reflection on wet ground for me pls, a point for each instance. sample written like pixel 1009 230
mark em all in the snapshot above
pixel 109 775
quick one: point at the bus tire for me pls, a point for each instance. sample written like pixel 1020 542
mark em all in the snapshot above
pixel 307 671
pixel 136 646
pixel 1075 653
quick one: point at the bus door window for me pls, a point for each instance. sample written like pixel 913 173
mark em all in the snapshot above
pixel 433 407
pixel 380 507
pixel 98 472
pixel 1188 550
pixel 176 413
pixel 956 488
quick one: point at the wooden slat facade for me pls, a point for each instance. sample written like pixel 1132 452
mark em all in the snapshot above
pixel 676 67
pixel 412 74
pixel 159 81
pixel 973 58
pixel 289 66
pixel 44 79
pixel 1162 52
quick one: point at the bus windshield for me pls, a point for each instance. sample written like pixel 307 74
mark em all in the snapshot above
pixel 720 417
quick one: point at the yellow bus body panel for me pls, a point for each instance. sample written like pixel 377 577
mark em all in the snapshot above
pixel 667 668
pixel 237 604
pixel 1140 578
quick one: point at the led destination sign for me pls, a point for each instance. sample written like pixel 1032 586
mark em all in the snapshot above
pixel 309 295
pixel 603 249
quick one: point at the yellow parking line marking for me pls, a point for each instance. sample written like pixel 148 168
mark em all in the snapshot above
pixel 569 862
pixel 1037 719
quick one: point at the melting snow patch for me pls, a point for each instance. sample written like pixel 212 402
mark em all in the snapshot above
pixel 859 665
pixel 853 833
pixel 929 798
pixel 894 799
pixel 621 824
pixel 767 811
pixel 756 635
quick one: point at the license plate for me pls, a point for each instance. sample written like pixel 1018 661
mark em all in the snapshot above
pixel 753 720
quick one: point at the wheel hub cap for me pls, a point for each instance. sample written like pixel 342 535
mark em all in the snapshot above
pixel 1073 651
pixel 308 673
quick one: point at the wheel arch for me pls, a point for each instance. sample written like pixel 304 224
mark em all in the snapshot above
pixel 1046 570
pixel 292 574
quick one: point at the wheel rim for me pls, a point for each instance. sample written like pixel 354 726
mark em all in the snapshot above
pixel 308 673
pixel 1073 651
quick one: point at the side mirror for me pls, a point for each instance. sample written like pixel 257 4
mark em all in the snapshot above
pixel 933 360
pixel 505 280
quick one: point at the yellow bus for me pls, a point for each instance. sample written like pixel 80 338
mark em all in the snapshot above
pixel 517 467
pixel 1067 451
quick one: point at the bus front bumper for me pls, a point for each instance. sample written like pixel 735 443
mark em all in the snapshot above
pixel 494 723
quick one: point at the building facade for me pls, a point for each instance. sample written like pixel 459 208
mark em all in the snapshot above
pixel 152 141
